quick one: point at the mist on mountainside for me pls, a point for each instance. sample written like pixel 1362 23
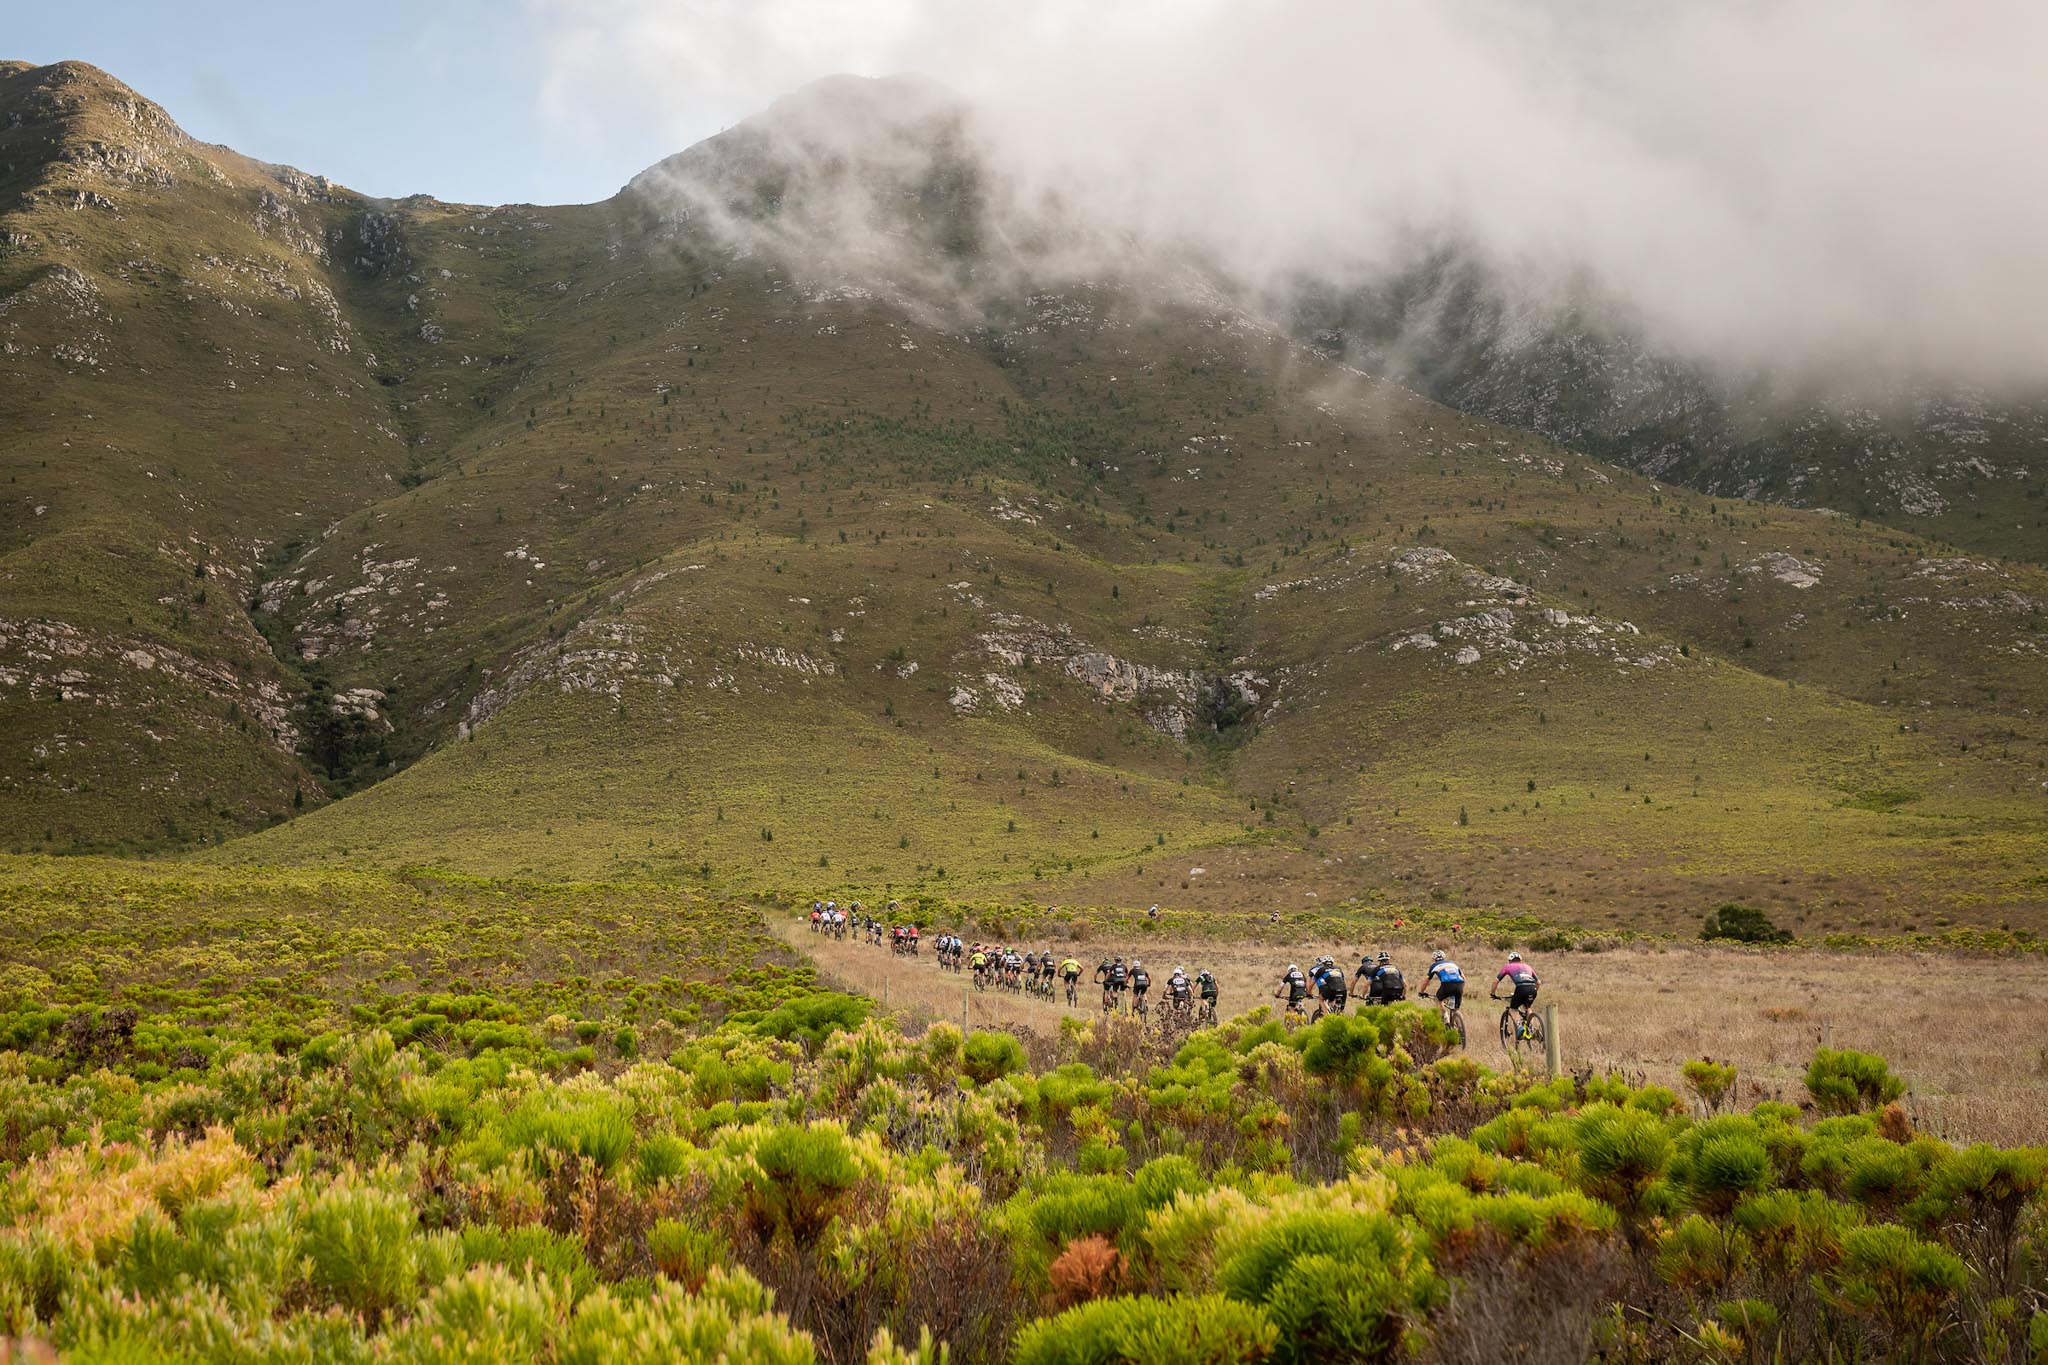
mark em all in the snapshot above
pixel 1804 188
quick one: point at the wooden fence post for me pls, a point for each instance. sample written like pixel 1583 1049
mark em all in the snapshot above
pixel 1550 1048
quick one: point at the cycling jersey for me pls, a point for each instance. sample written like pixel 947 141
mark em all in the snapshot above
pixel 1517 972
pixel 1177 984
pixel 1446 972
pixel 1208 985
pixel 1070 969
pixel 1141 981
pixel 1388 984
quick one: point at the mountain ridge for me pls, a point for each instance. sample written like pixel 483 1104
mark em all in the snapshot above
pixel 582 540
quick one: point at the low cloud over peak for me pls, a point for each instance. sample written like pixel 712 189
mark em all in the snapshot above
pixel 1793 185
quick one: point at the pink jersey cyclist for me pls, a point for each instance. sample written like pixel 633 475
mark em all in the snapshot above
pixel 1524 979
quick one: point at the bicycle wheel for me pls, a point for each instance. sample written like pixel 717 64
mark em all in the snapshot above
pixel 1508 1041
pixel 1456 1019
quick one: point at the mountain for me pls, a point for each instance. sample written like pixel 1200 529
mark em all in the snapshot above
pixel 1954 464
pixel 791 519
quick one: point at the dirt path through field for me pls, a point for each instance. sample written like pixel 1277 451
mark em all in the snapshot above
pixel 1958 1029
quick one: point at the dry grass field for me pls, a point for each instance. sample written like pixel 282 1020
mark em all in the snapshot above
pixel 1956 1028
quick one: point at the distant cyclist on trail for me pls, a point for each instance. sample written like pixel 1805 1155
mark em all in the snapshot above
pixel 1141 981
pixel 1448 980
pixel 1205 986
pixel 1524 979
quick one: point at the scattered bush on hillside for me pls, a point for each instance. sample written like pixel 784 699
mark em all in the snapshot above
pixel 1742 924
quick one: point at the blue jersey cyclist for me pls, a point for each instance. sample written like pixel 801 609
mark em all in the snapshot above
pixel 1448 980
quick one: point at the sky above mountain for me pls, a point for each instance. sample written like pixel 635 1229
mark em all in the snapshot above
pixel 1758 182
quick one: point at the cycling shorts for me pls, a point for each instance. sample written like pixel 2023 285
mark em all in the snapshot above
pixel 1525 995
pixel 1451 993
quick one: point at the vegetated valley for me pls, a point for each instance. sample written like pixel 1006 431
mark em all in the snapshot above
pixel 443 649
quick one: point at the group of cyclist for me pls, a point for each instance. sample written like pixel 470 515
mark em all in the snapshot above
pixel 1385 984
pixel 1192 998
pixel 830 919
pixel 1185 998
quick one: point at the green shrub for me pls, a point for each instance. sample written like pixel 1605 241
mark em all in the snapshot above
pixel 1888 1273
pixel 1723 1169
pixel 991 1055
pixel 1337 1285
pixel 1210 1330
pixel 1710 1082
pixel 802 1174
pixel 1843 1081
pixel 1622 1154
pixel 530 1251
pixel 1742 924
pixel 808 1019
pixel 487 1314
pixel 685 1252
pixel 359 1248
pixel 661 1157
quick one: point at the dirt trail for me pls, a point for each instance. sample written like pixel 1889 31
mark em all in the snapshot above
pixel 1644 1010
pixel 916 984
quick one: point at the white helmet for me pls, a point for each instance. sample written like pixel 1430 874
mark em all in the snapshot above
pixel 1437 956
pixel 1514 957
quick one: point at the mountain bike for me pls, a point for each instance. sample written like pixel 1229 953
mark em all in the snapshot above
pixel 1521 1030
pixel 1453 1017
pixel 1070 991
pixel 1138 1005
pixel 1330 1004
pixel 1205 1013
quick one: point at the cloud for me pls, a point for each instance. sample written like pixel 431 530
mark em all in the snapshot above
pixel 1789 183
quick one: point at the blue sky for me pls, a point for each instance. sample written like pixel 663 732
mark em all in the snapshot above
pixel 445 97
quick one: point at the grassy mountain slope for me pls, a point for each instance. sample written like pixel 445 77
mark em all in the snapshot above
pixel 638 539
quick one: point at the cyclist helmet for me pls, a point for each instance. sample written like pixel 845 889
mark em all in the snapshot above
pixel 1386 956
pixel 1514 957
pixel 1137 962
pixel 1437 956
pixel 1293 967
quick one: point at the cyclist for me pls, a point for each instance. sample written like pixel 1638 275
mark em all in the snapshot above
pixel 1141 981
pixel 1119 976
pixel 1328 978
pixel 1070 972
pixel 1205 984
pixel 1296 986
pixel 1448 980
pixel 1178 989
pixel 1031 967
pixel 980 965
pixel 1387 985
pixel 1524 979
pixel 1153 913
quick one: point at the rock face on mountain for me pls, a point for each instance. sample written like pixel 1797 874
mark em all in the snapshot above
pixel 774 515
pixel 1955 464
